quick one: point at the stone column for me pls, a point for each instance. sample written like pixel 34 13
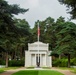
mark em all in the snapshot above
pixel 31 59
pixel 45 60
pixel 40 61
pixel 35 60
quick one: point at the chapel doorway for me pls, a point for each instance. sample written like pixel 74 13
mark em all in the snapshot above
pixel 38 60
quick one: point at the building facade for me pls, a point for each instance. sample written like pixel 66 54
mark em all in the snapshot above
pixel 38 55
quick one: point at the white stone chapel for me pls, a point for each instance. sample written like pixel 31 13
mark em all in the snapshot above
pixel 38 55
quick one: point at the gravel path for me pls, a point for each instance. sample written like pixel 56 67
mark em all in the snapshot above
pixel 10 72
pixel 65 72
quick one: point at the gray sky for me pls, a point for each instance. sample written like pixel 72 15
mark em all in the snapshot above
pixel 40 10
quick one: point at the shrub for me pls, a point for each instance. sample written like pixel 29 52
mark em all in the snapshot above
pixel 60 63
pixel 16 63
pixel 63 62
pixel 2 62
pixel 73 61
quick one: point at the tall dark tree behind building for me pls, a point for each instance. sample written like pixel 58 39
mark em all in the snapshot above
pixel 71 5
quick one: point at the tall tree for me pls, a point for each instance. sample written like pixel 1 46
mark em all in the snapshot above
pixel 24 39
pixel 66 40
pixel 46 31
pixel 71 5
pixel 7 28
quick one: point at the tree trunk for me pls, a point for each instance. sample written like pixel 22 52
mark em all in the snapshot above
pixel 21 53
pixel 15 55
pixel 6 59
pixel 68 60
pixel 12 55
pixel 59 56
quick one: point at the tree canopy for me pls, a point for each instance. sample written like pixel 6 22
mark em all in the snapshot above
pixel 71 5
pixel 15 34
pixel 9 33
pixel 60 35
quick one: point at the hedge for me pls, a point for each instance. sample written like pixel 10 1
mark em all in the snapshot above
pixel 63 62
pixel 13 63
pixel 55 63
pixel 16 63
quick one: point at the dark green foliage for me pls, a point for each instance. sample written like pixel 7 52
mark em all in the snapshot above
pixel 65 33
pixel 63 62
pixel 15 34
pixel 60 35
pixel 60 63
pixel 7 9
pixel 9 33
pixel 71 4
pixel 16 63
pixel 23 26
pixel 13 63
pixel 73 62
pixel 46 32
pixel 2 62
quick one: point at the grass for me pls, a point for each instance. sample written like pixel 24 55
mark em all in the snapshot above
pixel 1 71
pixel 37 72
pixel 5 69
pixel 74 70
pixel 9 68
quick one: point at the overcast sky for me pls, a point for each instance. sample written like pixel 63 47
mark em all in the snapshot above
pixel 40 10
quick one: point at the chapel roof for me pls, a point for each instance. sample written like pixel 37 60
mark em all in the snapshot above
pixel 38 42
pixel 34 46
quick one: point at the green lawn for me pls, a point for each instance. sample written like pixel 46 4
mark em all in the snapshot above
pixel 9 68
pixel 37 72
pixel 73 70
pixel 2 71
